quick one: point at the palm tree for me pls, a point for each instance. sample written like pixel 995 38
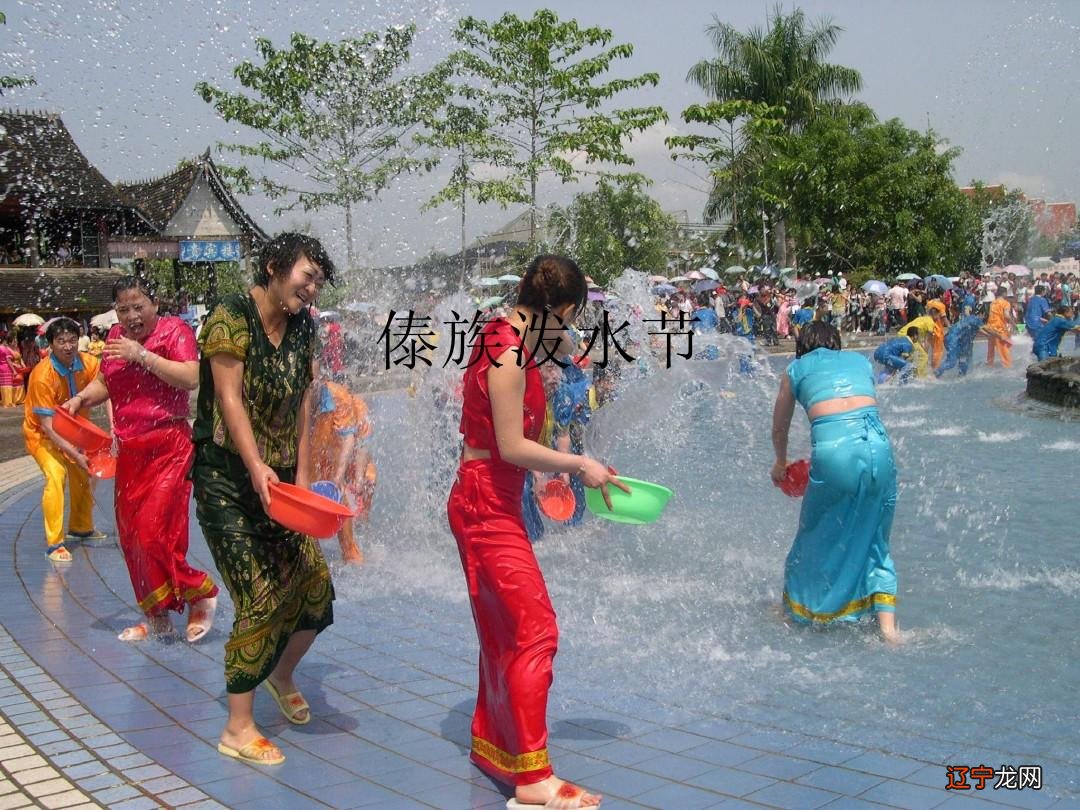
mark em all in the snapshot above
pixel 782 65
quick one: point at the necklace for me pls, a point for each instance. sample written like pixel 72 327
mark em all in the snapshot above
pixel 270 333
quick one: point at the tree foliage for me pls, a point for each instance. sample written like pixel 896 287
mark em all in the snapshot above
pixel 11 82
pixel 615 227
pixel 541 81
pixel 337 117
pixel 864 196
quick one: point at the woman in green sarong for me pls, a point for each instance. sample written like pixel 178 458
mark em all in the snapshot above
pixel 251 431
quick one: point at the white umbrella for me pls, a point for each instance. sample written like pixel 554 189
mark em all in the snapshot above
pixel 679 280
pixel 105 319
pixel 488 282
pixel 876 287
pixel 735 270
pixel 1017 270
pixel 658 279
pixel 708 272
pixel 28 319
pixel 696 275
pixel 510 278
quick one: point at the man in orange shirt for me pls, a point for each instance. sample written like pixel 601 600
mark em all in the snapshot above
pixel 999 326
pixel 54 380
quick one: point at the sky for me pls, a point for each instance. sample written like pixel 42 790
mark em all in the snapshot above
pixel 993 77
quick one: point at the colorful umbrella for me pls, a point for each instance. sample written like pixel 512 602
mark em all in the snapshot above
pixel 696 275
pixel 876 287
pixel 705 285
pixel 664 289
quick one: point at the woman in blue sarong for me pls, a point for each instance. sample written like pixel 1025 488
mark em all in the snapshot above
pixel 839 566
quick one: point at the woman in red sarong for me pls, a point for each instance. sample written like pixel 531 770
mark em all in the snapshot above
pixel 150 365
pixel 502 414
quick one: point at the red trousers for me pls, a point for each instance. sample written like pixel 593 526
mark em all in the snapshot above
pixel 152 500
pixel 515 622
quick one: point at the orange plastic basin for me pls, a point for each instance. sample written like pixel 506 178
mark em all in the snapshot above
pixel 80 431
pixel 556 500
pixel 102 464
pixel 303 511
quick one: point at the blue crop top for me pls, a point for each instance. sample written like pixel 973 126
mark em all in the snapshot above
pixel 827 374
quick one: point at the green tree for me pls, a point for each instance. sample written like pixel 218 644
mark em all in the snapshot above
pixel 540 79
pixel 11 82
pixel 612 228
pixel 747 132
pixel 337 117
pixel 465 133
pixel 783 66
pixel 875 198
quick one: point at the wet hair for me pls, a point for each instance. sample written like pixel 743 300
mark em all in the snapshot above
pixel 817 335
pixel 278 256
pixel 1064 309
pixel 913 333
pixel 61 326
pixel 553 281
pixel 143 285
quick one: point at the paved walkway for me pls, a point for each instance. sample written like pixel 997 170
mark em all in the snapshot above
pixel 86 720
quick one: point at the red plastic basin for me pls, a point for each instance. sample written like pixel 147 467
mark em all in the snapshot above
pixel 102 464
pixel 80 431
pixel 556 500
pixel 303 511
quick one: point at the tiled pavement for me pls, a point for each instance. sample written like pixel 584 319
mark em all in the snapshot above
pixel 90 721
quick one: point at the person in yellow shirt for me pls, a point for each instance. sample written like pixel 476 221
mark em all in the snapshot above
pixel 933 326
pixel 66 372
pixel 999 326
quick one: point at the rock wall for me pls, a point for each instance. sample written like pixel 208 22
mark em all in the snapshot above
pixel 1056 381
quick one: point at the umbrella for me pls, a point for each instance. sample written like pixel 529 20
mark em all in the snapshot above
pixel 664 289
pixel 908 277
pixel 805 289
pixel 487 303
pixel 510 278
pixel 735 270
pixel 105 319
pixel 788 271
pixel 28 319
pixel 940 280
pixel 770 270
pixel 658 279
pixel 708 272
pixel 876 287
pixel 597 295
pixel 1042 263
pixel 327 314
pixel 752 290
pixel 1017 269
pixel 705 285
pixel 696 275
pixel 679 280
pixel 488 282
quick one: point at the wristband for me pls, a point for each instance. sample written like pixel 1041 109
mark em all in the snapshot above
pixel 142 356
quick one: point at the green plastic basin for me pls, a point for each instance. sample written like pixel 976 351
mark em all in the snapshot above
pixel 643 505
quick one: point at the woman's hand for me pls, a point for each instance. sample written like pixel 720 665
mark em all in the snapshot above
pixel 596 475
pixel 122 348
pixel 779 470
pixel 261 479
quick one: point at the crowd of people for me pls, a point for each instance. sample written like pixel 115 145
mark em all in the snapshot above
pixel 274 406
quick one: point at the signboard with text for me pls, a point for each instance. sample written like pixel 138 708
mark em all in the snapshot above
pixel 197 250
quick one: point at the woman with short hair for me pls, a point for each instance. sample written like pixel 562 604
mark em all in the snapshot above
pixel 150 365
pixel 251 432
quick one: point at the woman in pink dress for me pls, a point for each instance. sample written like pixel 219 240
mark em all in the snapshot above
pixel 150 365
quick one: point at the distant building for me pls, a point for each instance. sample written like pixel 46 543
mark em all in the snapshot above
pixel 67 233
pixel 1052 220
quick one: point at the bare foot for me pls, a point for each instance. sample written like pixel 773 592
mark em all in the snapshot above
pixel 241 739
pixel 556 793
pixel 890 629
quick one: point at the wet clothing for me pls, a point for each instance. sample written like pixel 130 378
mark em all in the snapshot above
pixel 894 354
pixel 277 578
pixel 998 341
pixel 1049 340
pixel 52 383
pixel 826 374
pixel 152 491
pixel 959 342
pixel 839 566
pixel 1037 308
pixel 515 622
pixel 935 334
